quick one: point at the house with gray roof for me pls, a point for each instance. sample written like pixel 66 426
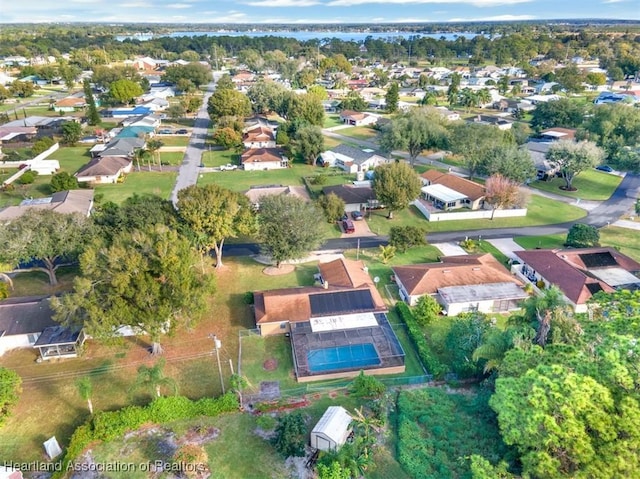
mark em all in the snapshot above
pixel 545 170
pixel 118 147
pixel 353 160
pixel 67 202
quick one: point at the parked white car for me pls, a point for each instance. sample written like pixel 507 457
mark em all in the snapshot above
pixel 228 167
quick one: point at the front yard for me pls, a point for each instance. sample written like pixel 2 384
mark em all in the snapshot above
pixel 591 185
pixel 139 183
pixel 359 132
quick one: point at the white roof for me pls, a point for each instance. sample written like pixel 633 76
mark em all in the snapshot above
pixel 481 292
pixel 346 321
pixel 554 134
pixel 614 276
pixel 443 193
pixel 334 424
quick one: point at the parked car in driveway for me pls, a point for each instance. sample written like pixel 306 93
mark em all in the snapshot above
pixel 182 132
pixel 348 227
pixel 228 167
pixel 605 168
pixel 357 216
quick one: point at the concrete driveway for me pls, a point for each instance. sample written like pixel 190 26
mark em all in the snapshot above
pixel 450 249
pixel 506 246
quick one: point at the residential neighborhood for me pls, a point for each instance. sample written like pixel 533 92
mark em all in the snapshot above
pixel 269 252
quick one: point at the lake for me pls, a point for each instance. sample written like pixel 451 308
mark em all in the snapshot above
pixel 305 35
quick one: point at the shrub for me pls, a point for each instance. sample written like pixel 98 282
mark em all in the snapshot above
pixel 28 177
pixel 191 459
pixel 266 422
pixel 422 347
pixel 405 237
pixel 319 180
pixel 63 181
pixel 367 386
pixel 291 435
pixel 426 310
pixel 582 236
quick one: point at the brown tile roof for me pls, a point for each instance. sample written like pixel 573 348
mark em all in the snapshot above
pixel 104 166
pixel 463 270
pixel 292 304
pixel 354 115
pixel 258 133
pixel 472 190
pixel 72 102
pixel 569 279
pixel 262 155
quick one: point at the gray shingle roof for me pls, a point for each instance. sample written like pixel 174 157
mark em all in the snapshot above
pixel 358 155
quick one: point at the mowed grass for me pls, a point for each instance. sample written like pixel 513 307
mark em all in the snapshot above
pixel 140 183
pixel 168 140
pixel 50 403
pixel 331 119
pixel 173 158
pixel 240 180
pixel 215 158
pixel 626 240
pixel 541 242
pixel 359 132
pixel 591 185
pixel 541 211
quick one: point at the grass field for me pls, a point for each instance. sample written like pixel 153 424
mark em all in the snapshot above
pixel 541 242
pixel 359 132
pixel 141 183
pixel 173 158
pixel 168 140
pixel 332 119
pixel 627 241
pixel 240 180
pixel 219 157
pixel 591 185
pixel 541 211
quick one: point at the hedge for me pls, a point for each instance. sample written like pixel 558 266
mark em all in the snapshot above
pixel 109 425
pixel 433 365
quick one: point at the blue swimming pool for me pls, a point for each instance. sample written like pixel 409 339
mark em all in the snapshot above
pixel 342 357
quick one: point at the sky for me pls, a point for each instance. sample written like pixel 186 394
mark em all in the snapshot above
pixel 310 11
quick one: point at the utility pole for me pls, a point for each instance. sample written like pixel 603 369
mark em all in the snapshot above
pixel 217 344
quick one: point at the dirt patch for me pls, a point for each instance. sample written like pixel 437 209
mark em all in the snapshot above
pixel 199 435
pixel 270 364
pixel 283 269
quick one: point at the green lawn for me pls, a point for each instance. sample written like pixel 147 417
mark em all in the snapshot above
pixel 541 211
pixel 173 140
pixel 141 183
pixel 220 157
pixel 173 158
pixel 359 132
pixel 541 242
pixel 626 240
pixel 591 185
pixel 240 180
pixel 332 119
pixel 71 158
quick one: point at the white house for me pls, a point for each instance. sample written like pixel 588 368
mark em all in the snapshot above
pixel 332 430
pixel 255 159
pixel 22 320
pixel 351 159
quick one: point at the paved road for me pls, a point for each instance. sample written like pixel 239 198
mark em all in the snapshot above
pixel 41 99
pixel 189 169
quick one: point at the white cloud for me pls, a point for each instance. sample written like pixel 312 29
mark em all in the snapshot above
pixel 495 18
pixel 613 1
pixel 477 3
pixel 282 3
pixel 179 5
pixel 135 5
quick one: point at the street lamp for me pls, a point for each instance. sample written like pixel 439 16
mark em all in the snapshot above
pixel 217 344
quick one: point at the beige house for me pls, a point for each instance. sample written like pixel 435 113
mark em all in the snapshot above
pixel 255 159
pixel 450 192
pixel 259 137
pixel 462 283
pixel 68 202
pixel 104 169
pixel 356 118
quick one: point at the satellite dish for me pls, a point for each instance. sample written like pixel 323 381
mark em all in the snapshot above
pixel 376 280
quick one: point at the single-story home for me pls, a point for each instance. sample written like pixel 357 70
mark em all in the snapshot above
pixel 353 160
pixel 332 430
pixel 448 114
pixel 136 132
pixel 557 133
pixel 142 120
pixel 356 118
pixel 44 125
pixel 155 104
pixel 449 192
pixel 256 192
pixel 337 327
pixel 126 112
pixel 263 159
pixel 9 134
pixel 22 320
pixel 69 104
pixel 118 147
pixel 70 201
pixel 500 123
pixel 259 137
pixel 462 283
pixel 104 169
pixel 579 273
pixel 545 169
pixel 356 198
pixel 330 106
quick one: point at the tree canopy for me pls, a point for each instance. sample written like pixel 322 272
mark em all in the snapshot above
pixel 396 185
pixel 228 102
pixel 124 90
pixel 309 143
pixel 289 227
pixel 196 73
pixel 144 279
pixel 573 158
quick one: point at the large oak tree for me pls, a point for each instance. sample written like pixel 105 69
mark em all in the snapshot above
pixel 396 185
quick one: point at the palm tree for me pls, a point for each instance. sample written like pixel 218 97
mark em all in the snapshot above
pixel 493 349
pixel 85 389
pixel 484 96
pixel 140 154
pixel 542 310
pixel 153 377
pixel 153 146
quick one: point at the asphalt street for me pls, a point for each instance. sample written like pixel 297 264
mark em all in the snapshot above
pixel 190 167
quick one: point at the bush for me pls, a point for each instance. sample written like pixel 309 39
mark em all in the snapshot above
pixel 422 347
pixel 109 425
pixel 426 310
pixel 266 422
pixel 63 181
pixel 291 435
pixel 28 177
pixel 405 237
pixel 367 386
pixel 582 236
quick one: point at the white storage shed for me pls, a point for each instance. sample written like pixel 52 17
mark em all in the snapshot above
pixel 332 429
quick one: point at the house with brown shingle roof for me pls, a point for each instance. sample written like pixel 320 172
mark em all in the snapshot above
pixel 449 192
pixel 579 273
pixel 259 137
pixel 104 169
pixel 462 283
pixel 337 327
pixel 263 159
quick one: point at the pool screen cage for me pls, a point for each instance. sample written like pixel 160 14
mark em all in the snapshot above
pixel 348 344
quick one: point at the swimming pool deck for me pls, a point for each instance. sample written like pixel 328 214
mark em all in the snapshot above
pixel 304 340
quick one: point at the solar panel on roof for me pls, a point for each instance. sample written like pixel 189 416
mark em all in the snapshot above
pixel 594 287
pixel 598 260
pixel 324 304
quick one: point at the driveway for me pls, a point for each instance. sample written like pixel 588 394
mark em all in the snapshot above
pixel 361 227
pixel 450 249
pixel 506 246
pixel 189 170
